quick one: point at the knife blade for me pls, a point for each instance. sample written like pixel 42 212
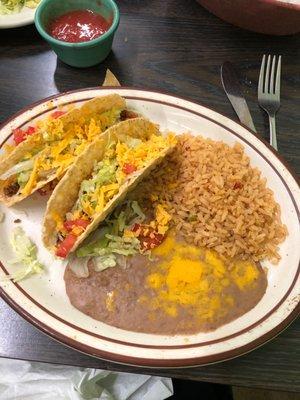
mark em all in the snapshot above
pixel 233 90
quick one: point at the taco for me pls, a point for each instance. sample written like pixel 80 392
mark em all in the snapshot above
pixel 46 152
pixel 100 178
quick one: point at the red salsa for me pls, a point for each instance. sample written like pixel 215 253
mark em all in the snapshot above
pixel 78 26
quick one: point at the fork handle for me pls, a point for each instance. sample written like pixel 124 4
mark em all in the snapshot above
pixel 273 138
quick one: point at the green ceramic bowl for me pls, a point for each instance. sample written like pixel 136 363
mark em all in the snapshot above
pixel 84 54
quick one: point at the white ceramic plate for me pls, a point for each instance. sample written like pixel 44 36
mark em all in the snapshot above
pixel 24 17
pixel 42 299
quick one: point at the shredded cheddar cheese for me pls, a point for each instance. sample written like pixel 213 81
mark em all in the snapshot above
pixel 141 155
pixel 32 180
pixel 95 194
pixel 63 143
pixel 190 276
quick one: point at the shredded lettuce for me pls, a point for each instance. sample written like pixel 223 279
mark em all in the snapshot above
pixel 122 245
pixel 110 117
pixel 104 173
pixel 15 6
pixel 105 250
pixel 95 247
pixel 48 138
pixel 137 209
pixel 121 220
pixel 23 178
pixel 79 266
pixel 32 3
pixel 18 168
pixel 11 6
pixel 111 241
pixel 108 245
pixel 103 262
pixel 26 254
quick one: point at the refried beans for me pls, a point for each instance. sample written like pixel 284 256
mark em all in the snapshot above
pixel 180 290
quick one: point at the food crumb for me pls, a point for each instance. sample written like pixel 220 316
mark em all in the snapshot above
pixel 17 221
pixel 110 299
pixel 126 39
pixel 21 212
pixel 2 216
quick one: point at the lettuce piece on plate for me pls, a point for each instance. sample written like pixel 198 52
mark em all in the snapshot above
pixel 26 254
pixel 103 262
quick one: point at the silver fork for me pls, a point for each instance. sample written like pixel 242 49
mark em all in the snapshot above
pixel 269 92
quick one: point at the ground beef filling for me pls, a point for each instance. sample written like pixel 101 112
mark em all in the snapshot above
pixel 126 114
pixel 11 189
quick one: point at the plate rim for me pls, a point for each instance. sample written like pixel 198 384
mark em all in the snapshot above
pixel 161 363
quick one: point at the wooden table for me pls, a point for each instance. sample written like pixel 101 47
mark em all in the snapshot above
pixel 176 46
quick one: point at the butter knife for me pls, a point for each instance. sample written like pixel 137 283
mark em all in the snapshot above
pixel 232 87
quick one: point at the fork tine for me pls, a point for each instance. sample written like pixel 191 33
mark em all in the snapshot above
pixel 267 75
pixel 261 75
pixel 278 74
pixel 272 89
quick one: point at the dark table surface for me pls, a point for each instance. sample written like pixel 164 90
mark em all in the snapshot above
pixel 176 46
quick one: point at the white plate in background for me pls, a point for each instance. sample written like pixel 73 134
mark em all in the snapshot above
pixel 22 18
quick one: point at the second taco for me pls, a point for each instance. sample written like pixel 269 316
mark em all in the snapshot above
pixel 99 180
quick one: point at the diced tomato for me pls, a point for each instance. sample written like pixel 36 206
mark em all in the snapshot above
pixel 148 243
pixel 128 168
pixel 135 227
pixel 238 185
pixel 20 135
pixel 30 130
pixel 82 223
pixel 69 225
pixel 65 246
pixel 57 114
pixel 147 236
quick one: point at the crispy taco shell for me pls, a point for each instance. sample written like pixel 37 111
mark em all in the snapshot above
pixel 66 192
pixel 97 105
